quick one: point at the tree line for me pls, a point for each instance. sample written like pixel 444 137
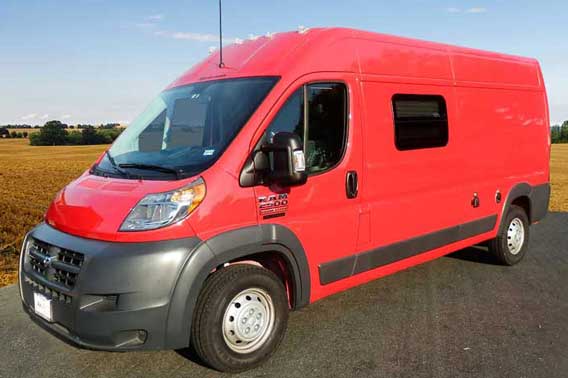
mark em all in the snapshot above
pixel 56 133
pixel 65 126
pixel 5 133
pixel 74 134
pixel 559 133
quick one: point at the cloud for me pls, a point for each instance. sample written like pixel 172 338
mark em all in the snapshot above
pixel 45 116
pixel 149 21
pixel 155 18
pixel 473 10
pixel 476 10
pixel 144 25
pixel 201 37
pixel 65 116
pixel 188 36
pixel 28 117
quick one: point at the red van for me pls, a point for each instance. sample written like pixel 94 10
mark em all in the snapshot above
pixel 309 163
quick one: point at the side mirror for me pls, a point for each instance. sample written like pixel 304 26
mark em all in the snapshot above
pixel 286 160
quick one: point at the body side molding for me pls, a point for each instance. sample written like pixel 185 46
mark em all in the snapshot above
pixel 345 267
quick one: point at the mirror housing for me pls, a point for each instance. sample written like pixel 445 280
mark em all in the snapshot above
pixel 286 160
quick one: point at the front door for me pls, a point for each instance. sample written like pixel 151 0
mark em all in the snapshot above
pixel 324 212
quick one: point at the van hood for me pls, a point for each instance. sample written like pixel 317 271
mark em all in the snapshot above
pixel 94 207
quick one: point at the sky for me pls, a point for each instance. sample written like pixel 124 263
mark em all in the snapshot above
pixel 99 61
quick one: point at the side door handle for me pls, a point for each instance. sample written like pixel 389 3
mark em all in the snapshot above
pixel 351 184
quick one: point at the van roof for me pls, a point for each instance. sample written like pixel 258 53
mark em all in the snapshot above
pixel 351 50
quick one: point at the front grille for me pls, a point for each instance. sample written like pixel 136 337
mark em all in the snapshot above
pixel 55 264
pixel 49 292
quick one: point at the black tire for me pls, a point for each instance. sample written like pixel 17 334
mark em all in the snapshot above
pixel 502 244
pixel 219 290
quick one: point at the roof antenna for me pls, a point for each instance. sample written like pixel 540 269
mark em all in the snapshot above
pixel 221 63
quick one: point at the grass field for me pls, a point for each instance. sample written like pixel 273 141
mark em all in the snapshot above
pixel 30 177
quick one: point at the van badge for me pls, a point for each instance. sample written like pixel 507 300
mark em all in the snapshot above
pixel 272 206
pixel 47 260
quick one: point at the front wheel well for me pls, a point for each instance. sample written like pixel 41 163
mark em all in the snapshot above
pixel 274 262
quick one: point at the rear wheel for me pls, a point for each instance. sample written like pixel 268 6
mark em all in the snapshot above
pixel 240 318
pixel 511 244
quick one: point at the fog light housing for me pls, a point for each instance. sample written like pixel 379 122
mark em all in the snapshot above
pixel 130 338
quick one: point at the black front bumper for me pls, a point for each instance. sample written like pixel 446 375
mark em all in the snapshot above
pixel 120 297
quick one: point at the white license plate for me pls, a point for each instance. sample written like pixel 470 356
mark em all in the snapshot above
pixel 42 306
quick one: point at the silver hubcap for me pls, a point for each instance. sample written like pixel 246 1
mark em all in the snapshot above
pixel 515 236
pixel 248 320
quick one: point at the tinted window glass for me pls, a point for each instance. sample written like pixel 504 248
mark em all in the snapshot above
pixel 290 118
pixel 187 123
pixel 327 117
pixel 187 128
pixel 327 123
pixel 151 138
pixel 420 121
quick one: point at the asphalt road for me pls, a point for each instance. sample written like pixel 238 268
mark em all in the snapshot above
pixel 458 316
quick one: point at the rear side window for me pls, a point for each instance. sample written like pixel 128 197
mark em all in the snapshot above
pixel 324 107
pixel 420 121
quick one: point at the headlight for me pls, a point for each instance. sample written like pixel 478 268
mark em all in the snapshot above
pixel 162 209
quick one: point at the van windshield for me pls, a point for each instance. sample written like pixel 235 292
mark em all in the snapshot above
pixel 185 129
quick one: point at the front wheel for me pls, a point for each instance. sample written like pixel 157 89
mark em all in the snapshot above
pixel 240 318
pixel 511 243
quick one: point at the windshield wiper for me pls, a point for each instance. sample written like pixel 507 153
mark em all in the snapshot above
pixel 151 167
pixel 115 166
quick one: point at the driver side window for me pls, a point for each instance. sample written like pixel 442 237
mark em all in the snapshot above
pixel 324 107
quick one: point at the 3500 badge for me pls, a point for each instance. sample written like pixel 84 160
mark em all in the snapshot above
pixel 273 206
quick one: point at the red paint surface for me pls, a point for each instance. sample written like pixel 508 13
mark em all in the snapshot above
pixel 499 136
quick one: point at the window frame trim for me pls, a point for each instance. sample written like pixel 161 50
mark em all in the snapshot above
pixel 346 122
pixel 266 122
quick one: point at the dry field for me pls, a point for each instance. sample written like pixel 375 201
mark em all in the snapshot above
pixel 559 177
pixel 30 177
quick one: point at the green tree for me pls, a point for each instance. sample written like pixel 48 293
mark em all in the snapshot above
pixel 110 134
pixel 35 139
pixel 53 133
pixel 555 134
pixel 564 132
pixel 75 138
pixel 90 135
